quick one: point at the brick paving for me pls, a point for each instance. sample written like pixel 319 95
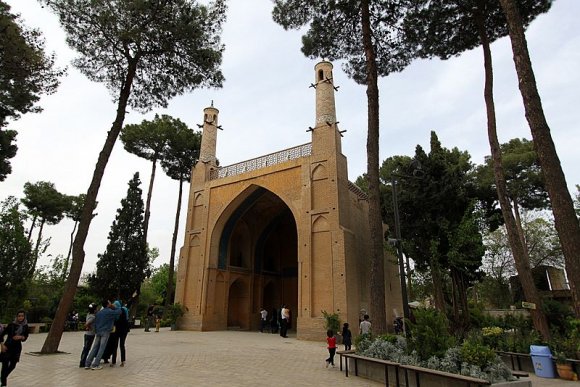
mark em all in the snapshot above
pixel 183 358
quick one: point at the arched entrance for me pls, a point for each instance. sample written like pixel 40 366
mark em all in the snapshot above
pixel 259 246
pixel 238 306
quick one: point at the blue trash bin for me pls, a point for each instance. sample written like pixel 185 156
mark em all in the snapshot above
pixel 542 360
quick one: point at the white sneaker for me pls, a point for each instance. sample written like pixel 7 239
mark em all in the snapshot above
pixel 99 367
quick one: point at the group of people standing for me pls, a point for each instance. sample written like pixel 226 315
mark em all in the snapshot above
pixel 279 322
pixel 105 333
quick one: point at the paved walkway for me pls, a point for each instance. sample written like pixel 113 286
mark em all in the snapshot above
pixel 195 359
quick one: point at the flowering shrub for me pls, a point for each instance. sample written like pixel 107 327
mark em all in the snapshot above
pixel 471 359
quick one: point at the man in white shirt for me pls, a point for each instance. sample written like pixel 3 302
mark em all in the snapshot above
pixel 365 325
pixel 284 318
pixel 263 319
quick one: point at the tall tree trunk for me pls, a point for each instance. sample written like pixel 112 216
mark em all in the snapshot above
pixel 437 278
pixel 66 262
pixel 56 329
pixel 37 247
pixel 519 252
pixel 377 274
pixel 565 218
pixel 148 203
pixel 168 298
pixel 31 227
pixel 518 219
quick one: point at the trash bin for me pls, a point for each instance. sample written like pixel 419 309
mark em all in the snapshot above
pixel 542 360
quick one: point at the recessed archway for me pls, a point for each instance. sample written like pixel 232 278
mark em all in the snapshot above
pixel 259 244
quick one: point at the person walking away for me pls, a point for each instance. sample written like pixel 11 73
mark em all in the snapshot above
pixel 104 320
pixel 11 340
pixel 89 335
pixel 263 319
pixel 149 317
pixel 365 325
pixel 331 341
pixel 346 337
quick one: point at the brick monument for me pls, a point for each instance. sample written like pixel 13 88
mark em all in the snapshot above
pixel 284 228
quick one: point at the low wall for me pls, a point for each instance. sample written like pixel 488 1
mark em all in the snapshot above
pixel 376 372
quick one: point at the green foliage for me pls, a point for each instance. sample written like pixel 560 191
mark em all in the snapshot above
pixel 477 354
pixel 26 71
pixel 363 342
pixel 470 359
pixel 122 267
pixel 8 150
pixel 16 259
pixel 429 335
pixel 567 342
pixel 331 321
pixel 335 31
pixel 173 312
pixel 557 314
pixel 174 45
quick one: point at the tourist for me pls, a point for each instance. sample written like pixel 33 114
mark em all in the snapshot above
pixel 104 320
pixel 331 341
pixel 346 337
pixel 11 342
pixel 263 319
pixel 284 317
pixel 89 335
pixel 149 317
pixel 365 325
pixel 274 321
pixel 118 337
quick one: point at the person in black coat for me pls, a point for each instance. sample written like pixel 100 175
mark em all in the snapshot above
pixel 11 340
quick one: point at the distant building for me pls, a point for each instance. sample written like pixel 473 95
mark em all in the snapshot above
pixel 550 281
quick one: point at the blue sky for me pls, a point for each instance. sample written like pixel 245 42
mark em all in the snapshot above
pixel 266 106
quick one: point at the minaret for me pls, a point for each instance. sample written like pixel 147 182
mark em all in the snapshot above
pixel 209 135
pixel 325 136
pixel 325 108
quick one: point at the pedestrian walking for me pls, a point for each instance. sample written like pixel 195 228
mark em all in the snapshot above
pixel 331 342
pixel 11 340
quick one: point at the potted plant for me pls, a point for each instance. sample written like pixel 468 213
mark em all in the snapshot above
pixel 173 313
pixel 563 366
pixel 331 321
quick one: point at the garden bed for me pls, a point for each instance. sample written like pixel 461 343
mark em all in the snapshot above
pixel 414 376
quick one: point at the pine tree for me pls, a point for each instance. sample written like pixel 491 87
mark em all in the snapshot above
pixel 121 268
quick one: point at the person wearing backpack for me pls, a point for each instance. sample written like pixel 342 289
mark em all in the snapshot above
pixel 117 339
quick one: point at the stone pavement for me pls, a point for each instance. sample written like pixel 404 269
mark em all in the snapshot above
pixel 183 358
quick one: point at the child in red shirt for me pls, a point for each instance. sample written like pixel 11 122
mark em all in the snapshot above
pixel 331 340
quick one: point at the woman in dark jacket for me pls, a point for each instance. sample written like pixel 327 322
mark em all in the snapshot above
pixel 11 339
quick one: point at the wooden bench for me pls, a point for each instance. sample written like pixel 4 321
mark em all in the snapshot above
pixel 418 371
pixel 35 327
